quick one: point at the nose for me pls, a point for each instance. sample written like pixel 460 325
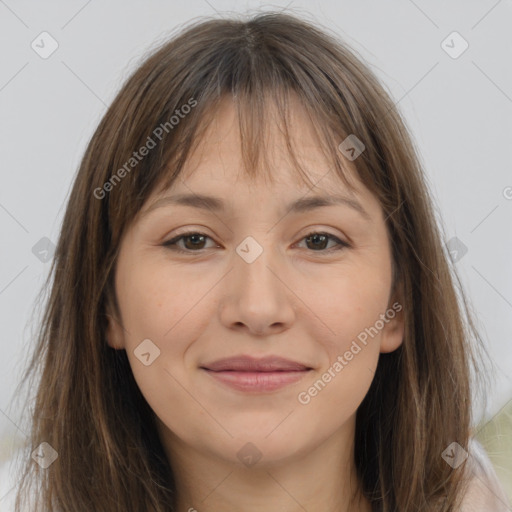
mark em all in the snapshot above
pixel 256 296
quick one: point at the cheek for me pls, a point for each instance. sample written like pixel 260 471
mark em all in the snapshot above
pixel 161 306
pixel 351 344
pixel 352 326
pixel 349 305
pixel 159 303
pixel 145 307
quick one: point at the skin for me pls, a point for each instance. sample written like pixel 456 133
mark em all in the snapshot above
pixel 297 300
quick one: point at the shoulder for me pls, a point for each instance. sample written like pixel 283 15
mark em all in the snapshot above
pixel 484 491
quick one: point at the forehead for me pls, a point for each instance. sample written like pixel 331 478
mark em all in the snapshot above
pixel 294 169
pixel 217 157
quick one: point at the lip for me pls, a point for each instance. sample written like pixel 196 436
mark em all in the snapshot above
pixel 246 373
pixel 245 363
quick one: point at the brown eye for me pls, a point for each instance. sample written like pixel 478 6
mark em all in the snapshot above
pixel 193 242
pixel 196 241
pixel 319 241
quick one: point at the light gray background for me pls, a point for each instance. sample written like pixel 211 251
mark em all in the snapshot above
pixel 459 112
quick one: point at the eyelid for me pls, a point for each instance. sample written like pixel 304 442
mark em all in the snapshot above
pixel 179 237
pixel 340 243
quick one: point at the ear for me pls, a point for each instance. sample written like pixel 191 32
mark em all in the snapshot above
pixel 394 325
pixel 115 332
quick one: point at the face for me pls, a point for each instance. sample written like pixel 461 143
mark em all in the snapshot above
pixel 255 278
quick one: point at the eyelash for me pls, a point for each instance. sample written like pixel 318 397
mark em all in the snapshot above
pixel 171 244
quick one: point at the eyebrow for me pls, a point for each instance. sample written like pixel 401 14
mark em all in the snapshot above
pixel 301 205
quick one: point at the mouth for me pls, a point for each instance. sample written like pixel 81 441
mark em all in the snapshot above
pixel 245 373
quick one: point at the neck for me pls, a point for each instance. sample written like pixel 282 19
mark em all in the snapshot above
pixel 320 479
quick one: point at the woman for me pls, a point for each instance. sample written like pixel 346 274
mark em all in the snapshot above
pixel 266 370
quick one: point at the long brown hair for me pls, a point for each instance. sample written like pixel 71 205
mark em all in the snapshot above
pixel 87 405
